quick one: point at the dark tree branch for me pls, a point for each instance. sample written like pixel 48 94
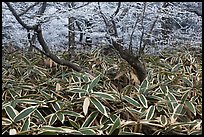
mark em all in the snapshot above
pixel 46 51
pixel 26 10
pixel 142 36
pixel 19 19
pixel 131 35
pixel 52 56
pixel 139 67
pixel 117 10
pixel 81 5
pixel 196 11
pixel 42 9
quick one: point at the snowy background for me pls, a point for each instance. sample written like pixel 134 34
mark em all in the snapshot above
pixel 186 25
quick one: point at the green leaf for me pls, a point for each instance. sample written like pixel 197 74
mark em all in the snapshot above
pixel 14 94
pixel 133 110
pixel 144 86
pixel 90 119
pixel 85 78
pixel 86 131
pixel 191 107
pixel 187 82
pixel 171 97
pixel 11 112
pixel 26 124
pixel 71 113
pixel 52 129
pixel 164 89
pixel 86 105
pixel 46 95
pixel 150 112
pixel 116 125
pixel 143 100
pixel 130 133
pixel 184 97
pixel 78 90
pixel 60 116
pixel 25 113
pixel 39 115
pixel 94 82
pixel 131 101
pixel 99 106
pixel 177 111
pixel 29 101
pixel 74 124
pixel 104 95
pixel 163 120
pixel 37 70
pixel 56 106
pixel 53 118
pixel 26 60
pixel 176 67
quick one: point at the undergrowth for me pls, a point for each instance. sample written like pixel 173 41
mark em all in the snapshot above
pixel 41 99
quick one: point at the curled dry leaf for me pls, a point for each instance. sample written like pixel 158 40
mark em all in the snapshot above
pixel 134 78
pixel 58 87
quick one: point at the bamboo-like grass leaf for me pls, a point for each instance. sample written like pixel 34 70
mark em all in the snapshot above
pixel 104 95
pixel 71 113
pixel 187 82
pixel 40 116
pixel 26 60
pixel 163 120
pixel 25 113
pixel 53 118
pixel 143 100
pixel 29 101
pixel 164 89
pixel 176 67
pixel 90 119
pixel 131 101
pixel 144 86
pixel 86 131
pixel 115 127
pixel 11 112
pixel 60 117
pixel 99 106
pixel 191 107
pixel 184 97
pixel 94 82
pixel 56 106
pixel 177 111
pixel 26 124
pixel 78 90
pixel 150 112
pixel 74 124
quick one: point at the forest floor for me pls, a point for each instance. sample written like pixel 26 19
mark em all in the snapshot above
pixel 41 97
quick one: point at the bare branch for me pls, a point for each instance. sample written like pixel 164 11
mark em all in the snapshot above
pixel 19 19
pixel 196 11
pixel 131 35
pixel 46 51
pixel 81 5
pixel 52 56
pixel 141 38
pixel 124 53
pixel 105 19
pixel 42 9
pixel 117 10
pixel 26 10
